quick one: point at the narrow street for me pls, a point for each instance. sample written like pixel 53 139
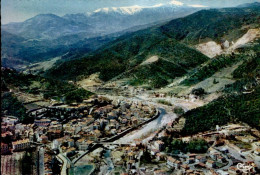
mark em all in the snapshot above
pixel 41 161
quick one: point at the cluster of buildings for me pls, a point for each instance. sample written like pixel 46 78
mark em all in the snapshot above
pixel 231 147
pixel 14 136
pixel 69 130
pixel 223 157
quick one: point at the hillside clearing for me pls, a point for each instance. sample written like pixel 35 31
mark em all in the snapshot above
pixel 150 60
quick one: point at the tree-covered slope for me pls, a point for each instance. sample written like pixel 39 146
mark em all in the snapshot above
pixel 241 100
pixel 230 108
pixel 213 24
pixel 48 88
pixel 128 51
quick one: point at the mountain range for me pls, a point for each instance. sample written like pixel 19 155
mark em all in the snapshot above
pixel 173 44
pixel 47 35
pixel 163 58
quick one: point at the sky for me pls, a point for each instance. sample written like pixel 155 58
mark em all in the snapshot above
pixel 20 10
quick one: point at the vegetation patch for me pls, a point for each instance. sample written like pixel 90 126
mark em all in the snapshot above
pixel 175 146
pixel 49 88
pixel 11 106
pixel 209 69
pixel 242 107
pixel 164 102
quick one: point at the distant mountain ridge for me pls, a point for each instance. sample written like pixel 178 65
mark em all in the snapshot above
pixel 254 4
pixel 100 22
pixel 47 35
pixel 171 43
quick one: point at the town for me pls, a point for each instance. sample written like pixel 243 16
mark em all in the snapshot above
pixel 147 87
pixel 67 139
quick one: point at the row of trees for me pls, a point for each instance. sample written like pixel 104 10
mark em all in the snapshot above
pixel 176 146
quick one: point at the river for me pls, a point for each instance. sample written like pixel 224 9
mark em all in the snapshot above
pixel 147 129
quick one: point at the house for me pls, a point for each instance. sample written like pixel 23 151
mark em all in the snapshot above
pixel 54 134
pixel 21 145
pixel 184 167
pixel 78 142
pixel 112 115
pixel 160 156
pixel 173 163
pixel 233 170
pixel 211 163
pixel 71 143
pixel 131 164
pixel 10 120
pixel 220 159
pixel 113 131
pixel 97 133
pixel 160 172
pixel 257 151
pixel 170 161
pixel 154 151
pixel 146 109
pixel 189 172
pixel 212 172
pixel 70 151
pixel 124 121
pixel 158 145
pixel 214 156
pixel 191 160
pixel 56 144
pixel 127 149
pixel 44 139
pixel 131 155
pixel 83 146
pixel 200 165
pixel 55 127
pixel 4 148
pixel 201 159
pixel 192 156
pixel 42 122
pixel 134 121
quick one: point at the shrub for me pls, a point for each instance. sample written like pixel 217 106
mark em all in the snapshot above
pixel 178 110
pixel 198 91
pixel 165 102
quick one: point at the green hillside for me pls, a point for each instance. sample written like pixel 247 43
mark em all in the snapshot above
pixel 128 51
pixel 213 24
pixel 241 102
pixel 48 88
pixel 230 108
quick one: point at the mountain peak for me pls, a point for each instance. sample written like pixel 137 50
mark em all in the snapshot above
pixel 47 17
pixel 177 3
pixel 123 10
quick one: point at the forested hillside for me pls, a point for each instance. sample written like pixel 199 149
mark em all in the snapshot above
pixel 241 100
pixel 124 55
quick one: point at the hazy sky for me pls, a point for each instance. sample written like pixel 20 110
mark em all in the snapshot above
pixel 20 10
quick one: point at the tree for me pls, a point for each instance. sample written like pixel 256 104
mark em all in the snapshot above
pixel 198 91
pixel 178 110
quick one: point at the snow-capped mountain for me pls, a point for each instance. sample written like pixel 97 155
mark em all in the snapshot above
pixel 99 22
pixel 131 10
pixel 121 10
pixel 51 34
